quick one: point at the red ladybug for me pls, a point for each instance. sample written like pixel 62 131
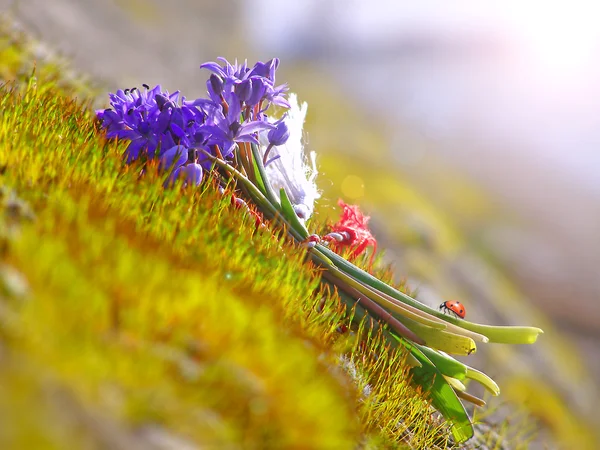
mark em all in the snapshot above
pixel 455 307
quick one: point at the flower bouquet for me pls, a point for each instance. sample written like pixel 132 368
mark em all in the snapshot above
pixel 235 138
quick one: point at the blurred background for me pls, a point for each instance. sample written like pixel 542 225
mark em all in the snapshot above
pixel 468 130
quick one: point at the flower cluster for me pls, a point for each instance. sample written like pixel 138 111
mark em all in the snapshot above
pixel 151 119
pixel 182 133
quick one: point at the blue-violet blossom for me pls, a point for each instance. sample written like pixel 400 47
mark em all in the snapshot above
pixel 176 159
pixel 151 119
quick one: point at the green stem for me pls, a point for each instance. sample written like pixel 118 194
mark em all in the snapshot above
pixel 258 164
pixel 506 335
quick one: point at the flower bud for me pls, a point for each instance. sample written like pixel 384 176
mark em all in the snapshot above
pixel 192 173
pixel 244 90
pixel 280 134
pixel 216 84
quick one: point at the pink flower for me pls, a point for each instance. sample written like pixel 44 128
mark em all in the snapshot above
pixel 352 231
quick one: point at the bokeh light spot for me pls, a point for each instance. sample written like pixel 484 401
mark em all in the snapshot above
pixel 353 187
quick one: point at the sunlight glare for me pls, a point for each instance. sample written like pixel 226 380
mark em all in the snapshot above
pixel 558 36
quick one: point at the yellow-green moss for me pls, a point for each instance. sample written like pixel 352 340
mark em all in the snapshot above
pixel 169 308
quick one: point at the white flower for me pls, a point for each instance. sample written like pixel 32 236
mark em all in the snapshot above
pixel 292 170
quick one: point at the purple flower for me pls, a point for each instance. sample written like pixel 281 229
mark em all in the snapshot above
pixel 280 134
pixel 143 138
pixel 151 119
pixel 162 125
pixel 251 86
pixel 251 91
pixel 243 89
pixel 192 174
pixel 131 118
pixel 259 90
pixel 227 130
pixel 123 101
pixel 215 87
pixel 276 95
pixel 266 70
pixel 227 71
pixel 174 157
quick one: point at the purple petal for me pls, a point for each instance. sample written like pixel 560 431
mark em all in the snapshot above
pixel 207 106
pixel 247 138
pixel 162 123
pixel 162 100
pixel 215 132
pixel 174 97
pixel 233 114
pixel 244 89
pixel 280 134
pixel 214 67
pixel 166 141
pixel 192 173
pixel 260 69
pixel 174 157
pixel 258 92
pixel 111 117
pixel 228 146
pixel 152 145
pixel 124 134
pixel 122 95
pixel 280 101
pixel 170 181
pixel 255 126
pixel 133 150
pixel 177 130
pixel 214 86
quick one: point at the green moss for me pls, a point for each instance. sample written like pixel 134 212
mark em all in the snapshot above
pixel 169 308
pixel 119 296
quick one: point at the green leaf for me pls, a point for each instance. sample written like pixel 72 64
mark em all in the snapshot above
pixel 443 340
pixel 485 381
pixel 502 334
pixel 258 176
pixel 443 397
pixel 261 176
pixel 386 301
pixel 321 259
pixel 290 215
pixel 445 364
pixel 455 369
pixel 269 209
